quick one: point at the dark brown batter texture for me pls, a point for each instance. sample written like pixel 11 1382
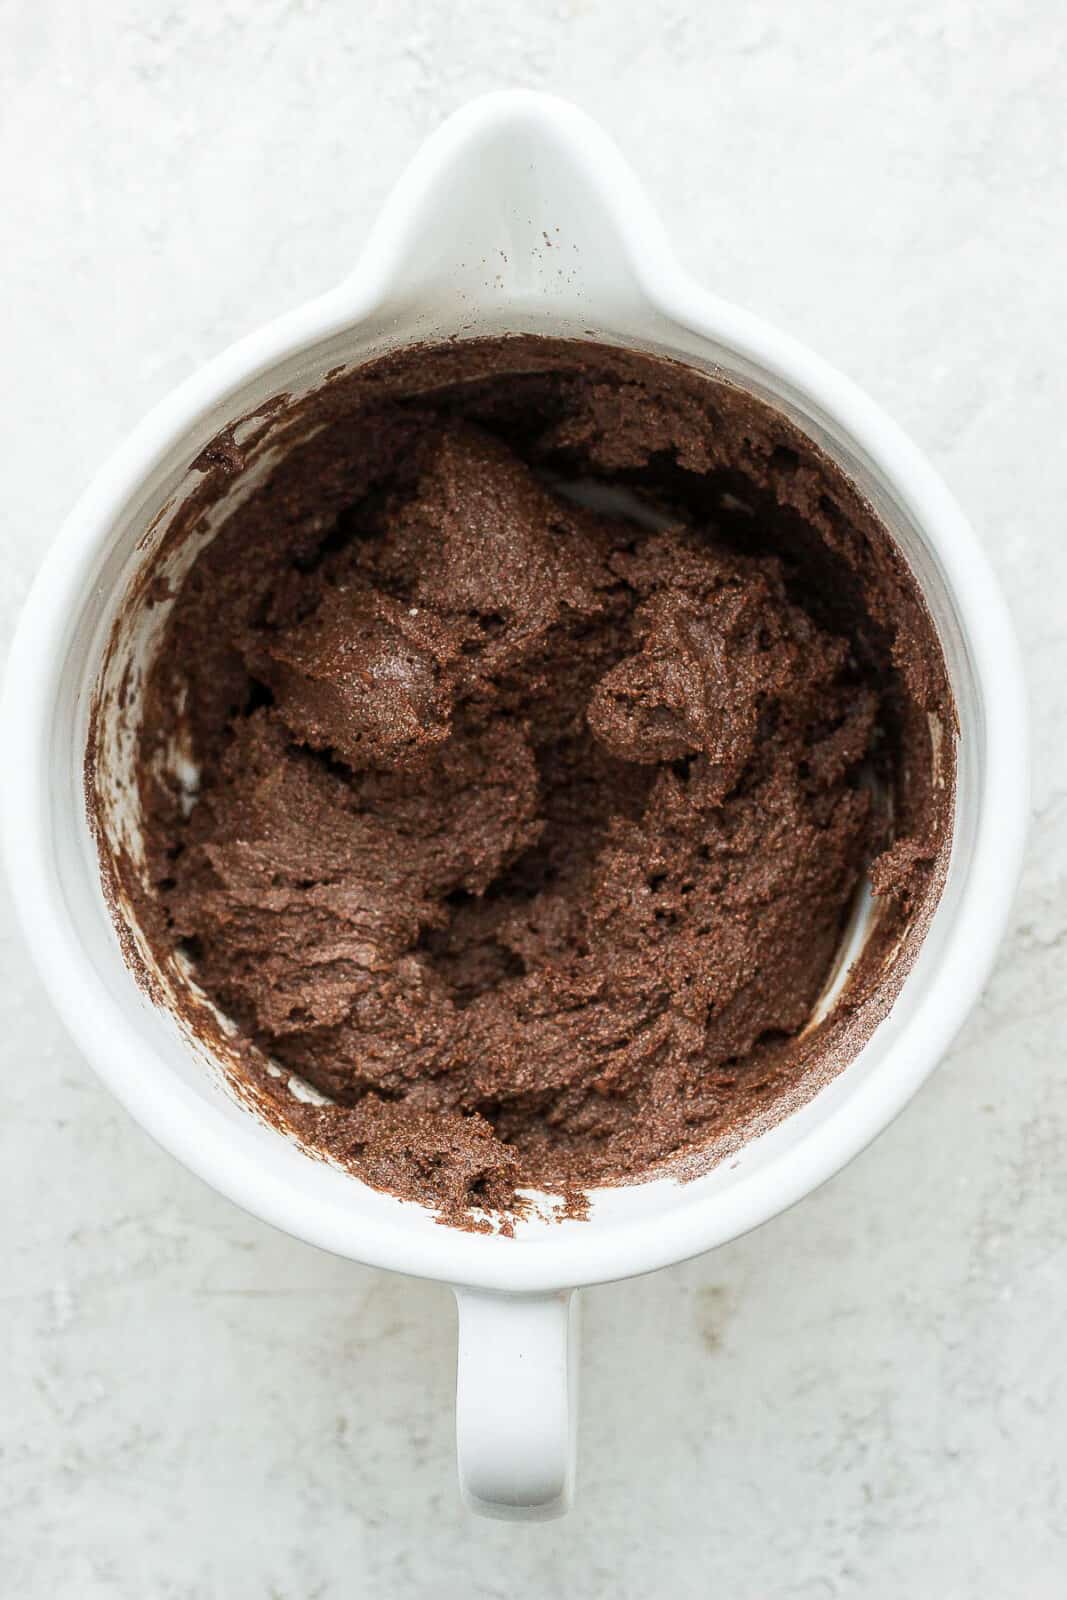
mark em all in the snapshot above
pixel 526 832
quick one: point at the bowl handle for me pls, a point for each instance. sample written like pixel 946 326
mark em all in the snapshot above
pixel 517 1403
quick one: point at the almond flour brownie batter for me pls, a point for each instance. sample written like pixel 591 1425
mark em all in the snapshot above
pixel 526 832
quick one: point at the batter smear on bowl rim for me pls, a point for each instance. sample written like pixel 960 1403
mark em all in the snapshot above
pixel 549 704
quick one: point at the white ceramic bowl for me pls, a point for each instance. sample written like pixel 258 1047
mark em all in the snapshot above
pixel 460 247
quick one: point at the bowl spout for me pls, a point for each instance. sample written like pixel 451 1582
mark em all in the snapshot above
pixel 521 200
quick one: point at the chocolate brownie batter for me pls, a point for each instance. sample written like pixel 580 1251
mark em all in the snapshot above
pixel 548 704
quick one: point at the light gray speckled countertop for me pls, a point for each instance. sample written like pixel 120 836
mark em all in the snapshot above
pixel 866 1398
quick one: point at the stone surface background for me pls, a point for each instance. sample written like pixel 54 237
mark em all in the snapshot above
pixel 866 1398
